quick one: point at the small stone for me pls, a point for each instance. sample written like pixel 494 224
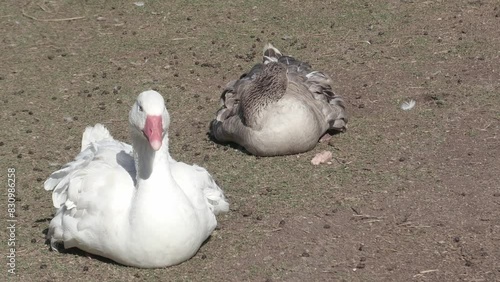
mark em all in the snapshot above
pixel 85 268
pixel 327 226
pixel 322 157
pixel 456 239
pixel 203 256
pixel 43 266
pixel 282 223
pixel 33 240
pixel 305 254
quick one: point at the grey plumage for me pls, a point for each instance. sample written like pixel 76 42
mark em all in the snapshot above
pixel 280 107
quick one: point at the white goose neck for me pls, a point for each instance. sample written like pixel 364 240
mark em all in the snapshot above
pixel 150 164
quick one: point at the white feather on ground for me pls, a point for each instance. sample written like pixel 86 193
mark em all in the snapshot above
pixel 408 105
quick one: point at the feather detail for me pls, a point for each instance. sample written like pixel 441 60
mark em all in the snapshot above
pixel 408 105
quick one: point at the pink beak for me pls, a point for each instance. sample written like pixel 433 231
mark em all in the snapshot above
pixel 153 130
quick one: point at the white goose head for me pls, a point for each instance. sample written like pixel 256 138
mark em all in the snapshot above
pixel 149 118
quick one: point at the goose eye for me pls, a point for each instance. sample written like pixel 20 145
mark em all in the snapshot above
pixel 140 108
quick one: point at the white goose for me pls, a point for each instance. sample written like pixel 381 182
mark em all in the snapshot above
pixel 134 205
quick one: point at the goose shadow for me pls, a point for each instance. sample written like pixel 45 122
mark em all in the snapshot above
pixel 227 145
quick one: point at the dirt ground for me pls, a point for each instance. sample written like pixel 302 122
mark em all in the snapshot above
pixel 410 196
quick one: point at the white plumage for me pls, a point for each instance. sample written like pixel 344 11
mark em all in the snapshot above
pixel 408 105
pixel 134 204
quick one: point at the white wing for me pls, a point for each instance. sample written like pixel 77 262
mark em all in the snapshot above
pixel 99 183
pixel 192 179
